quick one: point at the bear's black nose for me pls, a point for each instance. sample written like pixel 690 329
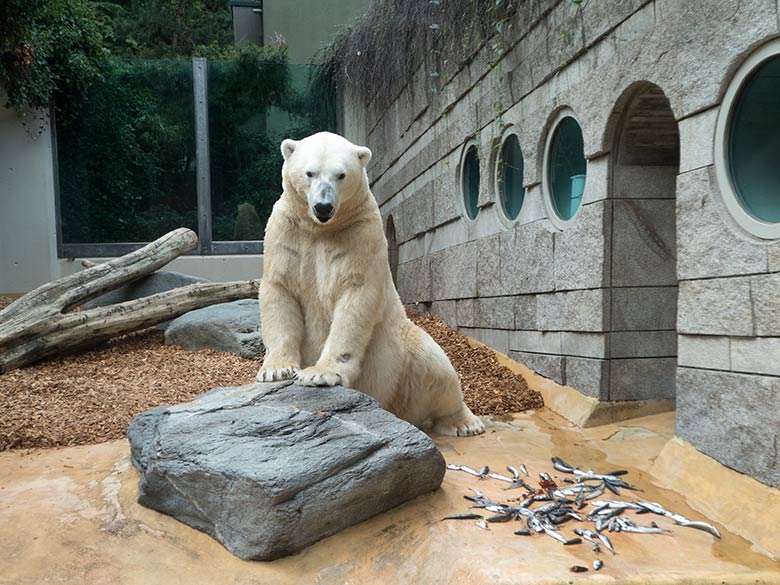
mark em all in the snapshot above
pixel 323 211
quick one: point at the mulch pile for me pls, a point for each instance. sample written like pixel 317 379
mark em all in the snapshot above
pixel 488 387
pixel 91 396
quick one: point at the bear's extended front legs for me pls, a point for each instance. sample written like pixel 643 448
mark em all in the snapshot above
pixel 354 318
pixel 282 327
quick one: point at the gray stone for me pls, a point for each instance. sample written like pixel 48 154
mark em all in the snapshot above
pixel 719 306
pixel 488 312
pixel 644 182
pixel 709 243
pixel 414 215
pixel 625 344
pixel 525 312
pixel 704 351
pixel 575 310
pixel 593 345
pixel 643 243
pixel 445 191
pixel 269 469
pixel 233 327
pixel 733 418
pixel 549 366
pixel 774 257
pixel 588 376
pixel 526 259
pixel 498 339
pixel 536 341
pixel 446 310
pixel 152 284
pixel 489 281
pixel 581 255
pixel 757 355
pixel 642 379
pixel 549 312
pixel 454 272
pixel 414 280
pixel 644 309
pixel 765 293
pixel 697 136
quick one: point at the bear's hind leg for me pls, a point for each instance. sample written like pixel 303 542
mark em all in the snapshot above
pixel 459 421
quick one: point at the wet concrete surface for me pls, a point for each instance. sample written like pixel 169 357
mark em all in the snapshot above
pixel 70 516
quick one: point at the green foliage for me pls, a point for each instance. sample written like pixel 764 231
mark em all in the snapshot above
pixel 48 48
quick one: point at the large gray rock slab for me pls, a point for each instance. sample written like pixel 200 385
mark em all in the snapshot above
pixel 269 469
pixel 152 284
pixel 232 327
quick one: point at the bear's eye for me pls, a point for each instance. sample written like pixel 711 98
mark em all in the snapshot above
pixel 341 176
pixel 309 174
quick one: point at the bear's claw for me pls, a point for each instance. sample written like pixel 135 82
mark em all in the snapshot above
pixel 276 374
pixel 313 376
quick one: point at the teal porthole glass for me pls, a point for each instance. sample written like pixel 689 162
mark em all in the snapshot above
pixel 566 168
pixel 754 143
pixel 470 182
pixel 509 177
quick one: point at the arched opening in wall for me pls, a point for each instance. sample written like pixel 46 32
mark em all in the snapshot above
pixel 392 249
pixel 643 286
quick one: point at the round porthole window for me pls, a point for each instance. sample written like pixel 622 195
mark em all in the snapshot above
pixel 469 180
pixel 748 139
pixel 509 177
pixel 565 169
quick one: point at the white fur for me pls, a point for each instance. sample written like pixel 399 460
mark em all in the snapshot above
pixel 330 312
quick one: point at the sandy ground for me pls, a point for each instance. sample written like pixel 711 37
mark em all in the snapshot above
pixel 70 516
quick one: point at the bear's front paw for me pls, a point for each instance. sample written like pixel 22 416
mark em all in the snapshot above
pixel 276 372
pixel 318 376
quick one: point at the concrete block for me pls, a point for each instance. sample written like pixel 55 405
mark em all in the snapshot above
pixel 549 366
pixel 575 310
pixel 758 355
pixel 496 338
pixel 550 311
pixel 643 344
pixel 588 376
pixel 594 345
pixel 467 313
pixel 535 341
pixel 644 182
pixel 491 313
pixel 733 418
pixel 447 235
pixel 643 243
pixel 601 17
pixel 597 180
pixel 454 272
pixel 704 351
pixel 525 312
pixel 446 310
pixel 489 281
pixel 720 306
pixel 642 379
pixel 644 309
pixel 708 242
pixel 414 280
pixel 697 137
pixel 526 259
pixel 765 293
pixel 774 257
pixel 414 215
pixel 581 254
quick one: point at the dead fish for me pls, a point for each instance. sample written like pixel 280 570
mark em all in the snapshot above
pixel 513 471
pixel 523 532
pixel 578 569
pixel 701 526
pixel 524 469
pixel 606 542
pixel 500 477
pixel 573 541
pixel 483 472
pixel 586 534
pixel 500 518
pixel 595 548
pixel 556 535
pixel 462 517
pixel 561 465
pixel 482 524
pixel 465 468
pixel 597 564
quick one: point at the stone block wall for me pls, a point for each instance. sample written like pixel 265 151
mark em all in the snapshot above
pixel 652 290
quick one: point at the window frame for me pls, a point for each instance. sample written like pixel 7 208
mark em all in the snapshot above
pixel 747 221
pixel 504 217
pixel 547 195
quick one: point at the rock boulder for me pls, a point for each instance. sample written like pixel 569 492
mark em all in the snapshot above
pixel 268 469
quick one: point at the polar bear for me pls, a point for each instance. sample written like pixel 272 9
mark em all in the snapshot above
pixel 330 312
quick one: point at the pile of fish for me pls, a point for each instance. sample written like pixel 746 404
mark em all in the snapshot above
pixel 546 508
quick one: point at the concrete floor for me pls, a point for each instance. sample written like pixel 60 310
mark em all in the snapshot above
pixel 70 516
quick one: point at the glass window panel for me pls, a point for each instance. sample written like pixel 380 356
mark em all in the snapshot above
pixel 252 108
pixel 510 173
pixel 567 168
pixel 126 158
pixel 754 143
pixel 470 183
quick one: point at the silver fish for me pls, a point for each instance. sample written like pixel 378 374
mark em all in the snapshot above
pixel 483 472
pixel 701 526
pixel 597 564
pixel 513 471
pixel 462 517
pixel 482 524
pixel 524 469
pixel 500 477
pixel 606 542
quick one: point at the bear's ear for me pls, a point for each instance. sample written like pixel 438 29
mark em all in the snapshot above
pixel 288 147
pixel 364 155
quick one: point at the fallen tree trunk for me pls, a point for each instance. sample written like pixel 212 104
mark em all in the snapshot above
pixel 37 325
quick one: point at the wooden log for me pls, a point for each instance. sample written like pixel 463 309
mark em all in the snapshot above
pixel 71 331
pixel 30 314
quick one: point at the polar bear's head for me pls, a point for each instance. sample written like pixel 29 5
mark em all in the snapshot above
pixel 326 169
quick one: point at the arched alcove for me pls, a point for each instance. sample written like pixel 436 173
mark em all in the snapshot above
pixel 643 276
pixel 392 249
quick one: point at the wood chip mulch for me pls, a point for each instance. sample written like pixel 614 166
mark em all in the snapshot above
pixel 91 396
pixel 488 387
